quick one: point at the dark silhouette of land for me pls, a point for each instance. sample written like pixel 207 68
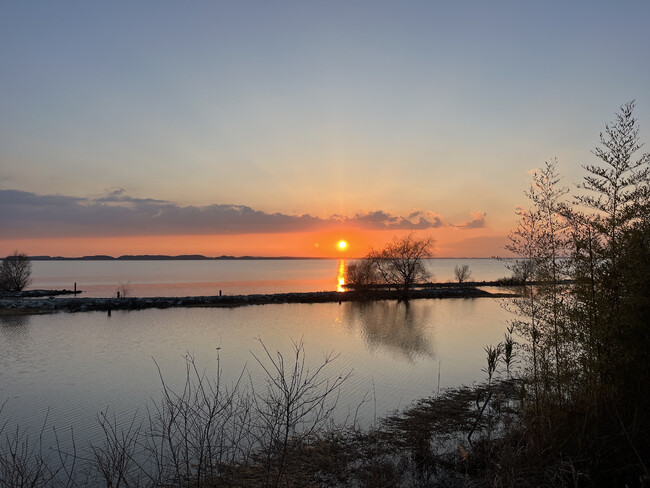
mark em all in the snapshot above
pixel 44 301
pixel 162 257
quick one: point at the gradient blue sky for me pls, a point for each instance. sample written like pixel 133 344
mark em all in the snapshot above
pixel 341 110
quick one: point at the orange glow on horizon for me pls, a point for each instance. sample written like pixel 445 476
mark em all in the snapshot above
pixel 320 244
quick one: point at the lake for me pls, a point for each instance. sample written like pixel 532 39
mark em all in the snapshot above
pixel 232 277
pixel 70 367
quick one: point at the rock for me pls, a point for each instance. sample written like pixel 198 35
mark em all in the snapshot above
pixel 50 303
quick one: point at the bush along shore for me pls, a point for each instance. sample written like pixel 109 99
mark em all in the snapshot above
pixel 46 301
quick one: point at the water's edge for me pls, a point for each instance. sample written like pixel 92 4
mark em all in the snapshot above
pixel 20 305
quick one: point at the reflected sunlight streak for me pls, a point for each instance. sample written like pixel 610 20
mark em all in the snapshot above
pixel 340 275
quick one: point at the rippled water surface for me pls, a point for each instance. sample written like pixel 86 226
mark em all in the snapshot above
pixel 70 367
pixel 195 278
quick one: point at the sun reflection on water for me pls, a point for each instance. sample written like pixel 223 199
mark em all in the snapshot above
pixel 340 275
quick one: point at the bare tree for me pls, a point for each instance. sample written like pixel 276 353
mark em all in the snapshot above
pixel 462 273
pixel 123 289
pixel 15 272
pixel 400 262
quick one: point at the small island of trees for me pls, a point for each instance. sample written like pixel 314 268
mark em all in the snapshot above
pixel 398 265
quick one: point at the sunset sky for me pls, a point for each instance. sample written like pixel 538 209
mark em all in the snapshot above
pixel 278 128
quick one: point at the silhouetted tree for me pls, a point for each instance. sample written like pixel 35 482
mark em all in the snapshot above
pixel 610 255
pixel 547 197
pixel 15 272
pixel 524 244
pixel 462 273
pixel 361 273
pixel 400 263
pixel 587 345
pixel 615 187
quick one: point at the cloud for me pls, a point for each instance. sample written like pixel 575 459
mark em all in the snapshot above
pixel 477 222
pixel 25 214
pixel 120 196
pixel 378 219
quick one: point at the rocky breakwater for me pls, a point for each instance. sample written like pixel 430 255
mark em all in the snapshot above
pixel 23 305
pixel 37 293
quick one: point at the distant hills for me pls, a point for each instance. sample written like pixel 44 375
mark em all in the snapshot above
pixel 154 257
pixel 189 257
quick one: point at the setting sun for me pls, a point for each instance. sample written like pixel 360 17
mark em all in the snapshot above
pixel 342 245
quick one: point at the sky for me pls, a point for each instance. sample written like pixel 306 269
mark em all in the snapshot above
pixel 279 128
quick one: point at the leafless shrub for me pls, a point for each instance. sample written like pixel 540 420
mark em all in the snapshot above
pixel 361 273
pixel 123 289
pixel 523 270
pixel 462 273
pixel 296 403
pixel 201 429
pixel 208 433
pixel 23 462
pixel 15 272
pixel 114 460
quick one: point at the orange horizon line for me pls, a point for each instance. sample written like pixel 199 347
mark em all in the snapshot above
pixel 228 256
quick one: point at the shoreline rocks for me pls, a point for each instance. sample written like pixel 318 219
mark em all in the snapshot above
pixel 48 303
pixel 37 293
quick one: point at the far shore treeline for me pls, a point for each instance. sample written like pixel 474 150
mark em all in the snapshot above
pixel 162 257
pixel 191 257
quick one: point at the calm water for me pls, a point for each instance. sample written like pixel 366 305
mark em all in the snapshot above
pixel 195 278
pixel 70 367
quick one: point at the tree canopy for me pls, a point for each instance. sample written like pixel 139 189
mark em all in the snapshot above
pixel 400 263
pixel 15 272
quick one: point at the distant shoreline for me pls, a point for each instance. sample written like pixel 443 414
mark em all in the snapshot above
pixel 163 257
pixel 198 257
